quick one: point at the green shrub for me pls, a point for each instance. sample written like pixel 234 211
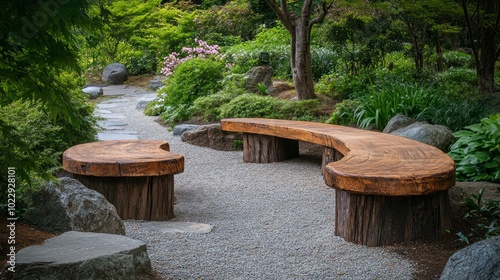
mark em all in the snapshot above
pixel 458 59
pixel 258 106
pixel 154 108
pixel 458 82
pixel 344 113
pixel 477 151
pixel 192 79
pixel 32 141
pixel 142 62
pixel 208 108
pixel 252 106
pixel 173 115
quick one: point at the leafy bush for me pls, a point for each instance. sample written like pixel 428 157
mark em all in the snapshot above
pixel 32 141
pixel 458 82
pixel 192 79
pixel 173 115
pixel 208 108
pixel 142 62
pixel 458 59
pixel 477 151
pixel 258 106
pixel 412 100
pixel 344 113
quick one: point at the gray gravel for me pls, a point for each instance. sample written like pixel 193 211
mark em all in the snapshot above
pixel 271 221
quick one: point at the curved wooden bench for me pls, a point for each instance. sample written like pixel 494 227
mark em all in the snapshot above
pixel 136 176
pixel 389 189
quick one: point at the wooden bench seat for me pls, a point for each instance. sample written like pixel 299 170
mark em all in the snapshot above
pixel 136 176
pixel 389 189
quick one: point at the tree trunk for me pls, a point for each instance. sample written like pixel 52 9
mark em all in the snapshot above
pixel 439 52
pixel 300 27
pixel 301 61
pixel 487 55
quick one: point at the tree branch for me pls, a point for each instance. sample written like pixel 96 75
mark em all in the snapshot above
pixel 283 13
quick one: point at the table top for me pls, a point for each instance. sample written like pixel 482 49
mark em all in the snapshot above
pixel 120 158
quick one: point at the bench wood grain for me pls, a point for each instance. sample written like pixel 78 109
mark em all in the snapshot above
pixel 389 189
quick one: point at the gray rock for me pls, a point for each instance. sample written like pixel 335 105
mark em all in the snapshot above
pixel 115 74
pixel 259 75
pixel 181 128
pixel 93 92
pixel 144 101
pixel 178 227
pixel 435 135
pixel 397 122
pixel 480 260
pixel 84 255
pixel 69 205
pixel 213 137
pixel 155 84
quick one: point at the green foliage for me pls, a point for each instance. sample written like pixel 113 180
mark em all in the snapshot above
pixel 344 113
pixel 276 42
pixel 455 113
pixel 137 33
pixel 192 79
pixel 173 115
pixel 458 59
pixel 258 106
pixel 485 216
pixel 412 100
pixel 223 24
pixel 141 62
pixel 208 108
pixel 154 108
pixel 33 142
pixel 477 151
pixel 458 83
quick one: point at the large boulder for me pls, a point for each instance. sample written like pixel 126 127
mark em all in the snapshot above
pixel 435 135
pixel 213 137
pixel 181 128
pixel 84 255
pixel 115 74
pixel 480 260
pixel 259 75
pixel 68 205
pixel 397 122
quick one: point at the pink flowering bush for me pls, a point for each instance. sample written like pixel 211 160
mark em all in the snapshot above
pixel 203 50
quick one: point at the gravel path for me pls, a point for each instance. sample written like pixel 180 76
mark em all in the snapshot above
pixel 270 221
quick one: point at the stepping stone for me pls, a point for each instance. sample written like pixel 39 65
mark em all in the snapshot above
pixel 84 255
pixel 99 111
pixel 178 227
pixel 107 105
pixel 103 136
pixel 112 116
pixel 115 100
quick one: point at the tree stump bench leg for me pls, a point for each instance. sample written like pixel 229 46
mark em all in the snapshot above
pixel 330 155
pixel 374 220
pixel 258 148
pixel 138 198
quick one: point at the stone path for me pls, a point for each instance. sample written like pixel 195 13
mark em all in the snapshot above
pixel 113 122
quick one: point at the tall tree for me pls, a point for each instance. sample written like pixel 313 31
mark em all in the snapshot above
pixel 300 25
pixel 483 26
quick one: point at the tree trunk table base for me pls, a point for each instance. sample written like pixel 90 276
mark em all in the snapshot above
pixel 138 198
pixel 375 220
pixel 259 148
pixel 136 176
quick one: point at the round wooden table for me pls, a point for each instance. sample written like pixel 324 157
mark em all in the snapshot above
pixel 136 176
